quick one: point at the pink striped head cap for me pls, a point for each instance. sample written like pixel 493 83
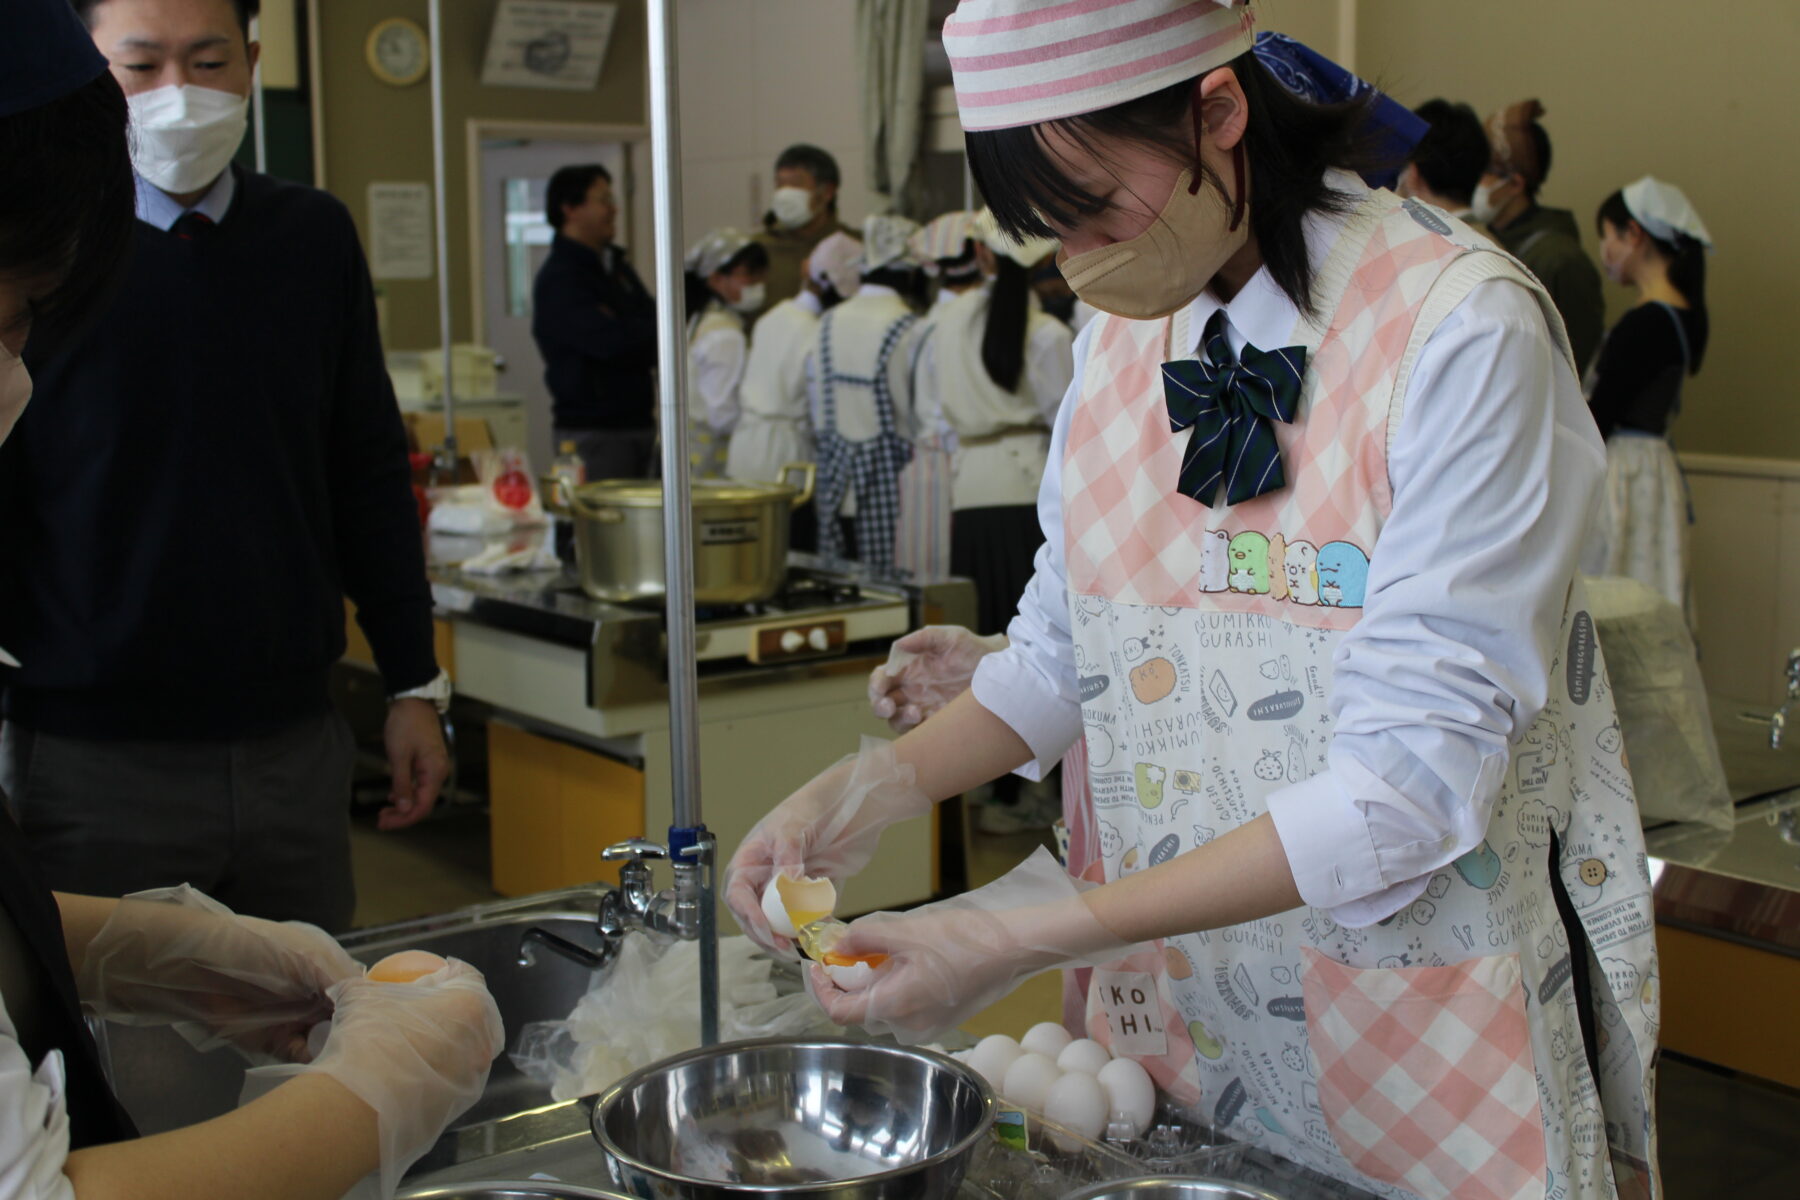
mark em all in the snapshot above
pixel 1023 62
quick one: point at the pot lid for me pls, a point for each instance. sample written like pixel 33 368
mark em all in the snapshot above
pixel 647 493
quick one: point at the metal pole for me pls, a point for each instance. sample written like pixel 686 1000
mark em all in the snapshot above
pixel 678 529
pixel 446 456
pixel 256 91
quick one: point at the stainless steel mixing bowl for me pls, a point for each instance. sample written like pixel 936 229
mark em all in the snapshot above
pixel 1171 1189
pixel 796 1119
pixel 528 1189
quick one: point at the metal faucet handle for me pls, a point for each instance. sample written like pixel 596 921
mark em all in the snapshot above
pixel 634 848
pixel 1793 672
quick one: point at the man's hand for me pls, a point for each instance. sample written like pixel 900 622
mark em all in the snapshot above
pixel 417 759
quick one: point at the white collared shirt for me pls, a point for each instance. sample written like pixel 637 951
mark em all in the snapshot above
pixel 1494 467
pixel 156 207
pixel 34 1122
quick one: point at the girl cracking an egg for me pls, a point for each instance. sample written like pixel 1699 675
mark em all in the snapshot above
pixel 1285 353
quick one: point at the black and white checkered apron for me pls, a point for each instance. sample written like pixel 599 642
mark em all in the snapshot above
pixel 871 468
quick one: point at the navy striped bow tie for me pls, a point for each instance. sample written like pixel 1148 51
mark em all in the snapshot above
pixel 1230 400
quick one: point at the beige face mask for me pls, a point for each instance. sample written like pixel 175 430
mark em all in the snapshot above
pixel 1166 266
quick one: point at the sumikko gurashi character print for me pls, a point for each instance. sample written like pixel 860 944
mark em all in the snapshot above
pixel 1214 557
pixel 1300 564
pixel 1343 575
pixel 1249 553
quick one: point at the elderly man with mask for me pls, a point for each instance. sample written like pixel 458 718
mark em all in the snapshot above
pixel 802 213
pixel 1546 240
pixel 209 468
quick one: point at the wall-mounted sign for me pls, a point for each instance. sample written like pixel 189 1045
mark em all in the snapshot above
pixel 548 43
pixel 400 245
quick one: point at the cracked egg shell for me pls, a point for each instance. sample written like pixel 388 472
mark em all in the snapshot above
pixel 791 903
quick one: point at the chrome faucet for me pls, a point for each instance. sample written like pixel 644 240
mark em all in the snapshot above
pixel 635 905
pixel 1778 722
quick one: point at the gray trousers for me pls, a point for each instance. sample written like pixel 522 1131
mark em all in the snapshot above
pixel 613 453
pixel 260 824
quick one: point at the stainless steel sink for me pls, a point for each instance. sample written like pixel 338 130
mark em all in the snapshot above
pixel 164 1083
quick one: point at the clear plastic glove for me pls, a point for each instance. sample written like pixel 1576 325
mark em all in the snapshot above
pixel 828 829
pixel 174 956
pixel 950 960
pixel 925 670
pixel 417 1053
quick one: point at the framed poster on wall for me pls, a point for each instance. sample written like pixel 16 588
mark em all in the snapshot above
pixel 548 44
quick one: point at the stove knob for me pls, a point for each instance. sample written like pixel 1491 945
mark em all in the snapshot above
pixel 818 639
pixel 792 642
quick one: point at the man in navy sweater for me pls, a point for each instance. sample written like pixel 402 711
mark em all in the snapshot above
pixel 595 326
pixel 205 473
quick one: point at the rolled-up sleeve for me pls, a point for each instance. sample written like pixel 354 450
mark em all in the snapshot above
pixel 1031 685
pixel 1495 466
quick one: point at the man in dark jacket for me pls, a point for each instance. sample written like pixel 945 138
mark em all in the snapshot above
pixel 206 472
pixel 1546 240
pixel 595 325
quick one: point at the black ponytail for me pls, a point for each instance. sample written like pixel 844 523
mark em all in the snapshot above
pixel 696 293
pixel 1009 308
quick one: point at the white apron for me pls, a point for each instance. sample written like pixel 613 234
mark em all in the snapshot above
pixel 774 429
pixel 706 448
pixel 1440 1052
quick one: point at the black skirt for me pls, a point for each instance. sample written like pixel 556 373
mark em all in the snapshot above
pixel 995 547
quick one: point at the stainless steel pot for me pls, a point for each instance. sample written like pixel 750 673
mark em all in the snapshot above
pixel 813 1120
pixel 1171 1189
pixel 740 537
pixel 529 1189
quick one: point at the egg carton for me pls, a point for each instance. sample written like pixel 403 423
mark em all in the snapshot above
pixel 1057 1159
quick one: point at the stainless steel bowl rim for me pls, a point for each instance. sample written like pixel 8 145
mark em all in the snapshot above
pixel 472 1189
pixel 1200 1185
pixel 607 1098
pixel 639 493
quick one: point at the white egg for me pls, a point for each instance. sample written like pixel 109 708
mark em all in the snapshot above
pixel 1130 1094
pixel 1028 1081
pixel 1079 1104
pixel 852 978
pixel 992 1055
pixel 790 902
pixel 1046 1038
pixel 1084 1055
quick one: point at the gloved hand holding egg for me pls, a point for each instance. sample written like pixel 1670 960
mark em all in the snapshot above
pixel 826 831
pixel 947 961
pixel 174 956
pixel 926 670
pixel 414 1040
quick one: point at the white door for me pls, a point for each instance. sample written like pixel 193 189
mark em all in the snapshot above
pixel 515 237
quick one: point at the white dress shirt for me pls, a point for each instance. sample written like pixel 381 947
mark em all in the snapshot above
pixel 34 1122
pixel 156 207
pixel 1494 466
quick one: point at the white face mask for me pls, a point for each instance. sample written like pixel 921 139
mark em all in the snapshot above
pixel 751 298
pixel 791 206
pixel 183 137
pixel 15 390
pixel 1482 205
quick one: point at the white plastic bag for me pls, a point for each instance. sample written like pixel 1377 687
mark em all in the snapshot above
pixel 1663 712
pixel 646 1007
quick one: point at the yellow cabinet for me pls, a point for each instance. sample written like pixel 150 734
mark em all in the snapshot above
pixel 552 808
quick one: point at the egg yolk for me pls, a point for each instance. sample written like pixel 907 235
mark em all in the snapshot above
pixel 850 960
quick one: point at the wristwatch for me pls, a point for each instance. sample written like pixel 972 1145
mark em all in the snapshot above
pixel 437 691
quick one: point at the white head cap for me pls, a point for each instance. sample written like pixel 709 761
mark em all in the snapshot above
pixel 942 238
pixel 1026 254
pixel 837 262
pixel 715 250
pixel 1023 62
pixel 884 241
pixel 1664 211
